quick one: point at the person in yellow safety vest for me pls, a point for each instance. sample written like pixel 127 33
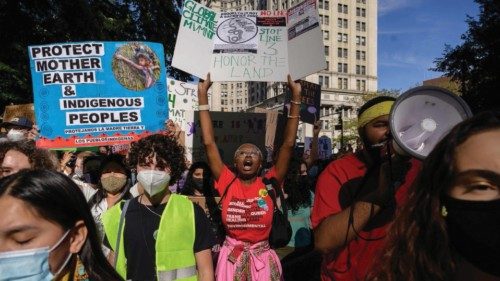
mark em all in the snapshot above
pixel 159 235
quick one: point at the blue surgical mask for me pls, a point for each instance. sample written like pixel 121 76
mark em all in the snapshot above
pixel 31 264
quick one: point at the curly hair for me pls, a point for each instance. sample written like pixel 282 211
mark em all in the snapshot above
pixel 38 158
pixel 418 247
pixel 167 151
pixel 298 190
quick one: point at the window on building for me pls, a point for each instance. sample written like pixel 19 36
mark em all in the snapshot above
pixel 360 26
pixel 327 20
pixel 342 83
pixel 342 67
pixel 339 23
pixel 320 80
pixel 360 40
pixel 358 69
pixel 327 65
pixel 358 85
pixel 327 5
pixel 344 23
pixel 326 34
pixel 361 12
pixel 339 37
pixel 327 50
pixel 361 55
pixel 342 52
pixel 320 4
pixel 363 85
pixel 344 38
pixel 327 82
pixel 341 9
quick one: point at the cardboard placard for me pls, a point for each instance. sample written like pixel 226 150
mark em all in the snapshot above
pixel 231 129
pixel 19 110
pixel 98 93
pixel 250 45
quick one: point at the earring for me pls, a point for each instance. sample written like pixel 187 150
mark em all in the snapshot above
pixel 444 212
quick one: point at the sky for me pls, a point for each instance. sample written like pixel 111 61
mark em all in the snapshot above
pixel 413 33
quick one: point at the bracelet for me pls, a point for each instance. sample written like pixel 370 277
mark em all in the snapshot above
pixel 296 102
pixel 203 107
pixel 293 116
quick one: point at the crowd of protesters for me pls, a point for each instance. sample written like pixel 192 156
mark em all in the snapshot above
pixel 370 214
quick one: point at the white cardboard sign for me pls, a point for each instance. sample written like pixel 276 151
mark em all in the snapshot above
pixel 250 45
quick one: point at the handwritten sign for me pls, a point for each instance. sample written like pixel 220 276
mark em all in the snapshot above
pixel 251 45
pixel 182 103
pixel 98 93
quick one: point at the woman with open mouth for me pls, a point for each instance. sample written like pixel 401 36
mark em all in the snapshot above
pixel 247 208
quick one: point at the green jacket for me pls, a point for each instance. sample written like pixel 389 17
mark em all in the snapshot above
pixel 175 258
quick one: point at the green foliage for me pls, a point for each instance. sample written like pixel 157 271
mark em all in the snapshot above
pixel 474 64
pixel 383 92
pixel 37 22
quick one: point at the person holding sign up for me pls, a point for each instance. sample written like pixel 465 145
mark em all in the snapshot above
pixel 247 208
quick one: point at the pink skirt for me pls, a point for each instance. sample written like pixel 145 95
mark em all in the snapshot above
pixel 243 261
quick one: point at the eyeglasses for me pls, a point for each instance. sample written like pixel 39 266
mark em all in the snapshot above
pixel 241 154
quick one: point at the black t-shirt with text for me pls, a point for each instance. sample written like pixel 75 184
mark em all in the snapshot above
pixel 139 241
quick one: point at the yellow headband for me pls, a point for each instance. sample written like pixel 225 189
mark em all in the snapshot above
pixel 377 110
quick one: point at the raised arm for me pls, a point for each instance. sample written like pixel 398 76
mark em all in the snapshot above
pixel 120 57
pixel 207 129
pixel 286 149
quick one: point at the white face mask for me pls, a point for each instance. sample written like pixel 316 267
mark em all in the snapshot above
pixel 31 264
pixel 16 135
pixel 153 181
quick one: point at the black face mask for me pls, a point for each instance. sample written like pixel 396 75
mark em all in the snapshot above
pixel 198 183
pixel 474 231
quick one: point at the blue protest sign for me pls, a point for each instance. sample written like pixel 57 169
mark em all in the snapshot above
pixel 98 93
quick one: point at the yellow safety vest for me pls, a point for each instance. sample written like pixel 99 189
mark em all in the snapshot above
pixel 175 258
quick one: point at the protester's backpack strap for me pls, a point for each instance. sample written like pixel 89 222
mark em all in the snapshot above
pixel 274 189
pixel 120 228
pixel 225 192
